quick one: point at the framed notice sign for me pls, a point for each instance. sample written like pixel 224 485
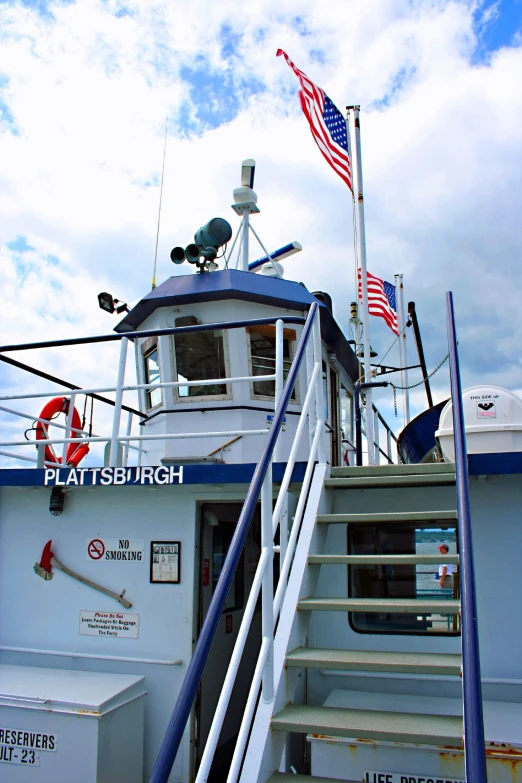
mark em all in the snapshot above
pixel 165 562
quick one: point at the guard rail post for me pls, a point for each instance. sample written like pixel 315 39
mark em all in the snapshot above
pixel 69 431
pixel 319 395
pixel 113 457
pixel 267 595
pixel 474 746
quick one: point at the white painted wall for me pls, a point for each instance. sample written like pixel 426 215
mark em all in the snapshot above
pixel 44 615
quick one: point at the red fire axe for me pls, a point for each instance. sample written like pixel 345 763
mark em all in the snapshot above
pixel 43 569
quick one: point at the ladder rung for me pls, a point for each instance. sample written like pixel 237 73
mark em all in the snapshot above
pixel 430 479
pixel 384 559
pixel 375 660
pixel 420 606
pixel 401 517
pixel 394 470
pixel 371 725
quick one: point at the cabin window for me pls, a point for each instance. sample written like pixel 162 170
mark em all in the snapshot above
pixel 151 372
pixel 413 581
pixel 200 356
pixel 263 357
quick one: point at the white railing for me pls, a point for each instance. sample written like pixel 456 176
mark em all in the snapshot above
pixel 129 441
pixel 264 675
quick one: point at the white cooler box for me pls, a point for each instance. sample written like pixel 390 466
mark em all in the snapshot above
pixel 62 726
pixel 493 421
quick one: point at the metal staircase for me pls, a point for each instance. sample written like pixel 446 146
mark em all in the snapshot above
pixel 276 707
pixel 364 724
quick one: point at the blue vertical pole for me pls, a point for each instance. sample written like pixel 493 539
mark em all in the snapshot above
pixel 474 747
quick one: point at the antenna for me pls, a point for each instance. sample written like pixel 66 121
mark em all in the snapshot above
pixel 159 209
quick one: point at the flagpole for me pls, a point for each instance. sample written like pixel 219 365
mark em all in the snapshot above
pixel 365 316
pixel 403 352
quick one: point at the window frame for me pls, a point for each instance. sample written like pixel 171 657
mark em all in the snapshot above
pixel 147 348
pixel 178 399
pixel 292 337
pixel 391 631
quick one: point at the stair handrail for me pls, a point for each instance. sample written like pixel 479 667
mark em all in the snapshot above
pixel 176 727
pixel 474 745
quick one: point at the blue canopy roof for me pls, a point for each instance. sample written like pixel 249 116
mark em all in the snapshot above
pixel 246 286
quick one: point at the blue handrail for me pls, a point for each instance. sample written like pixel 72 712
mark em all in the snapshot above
pixel 474 747
pixel 169 748
pixel 109 338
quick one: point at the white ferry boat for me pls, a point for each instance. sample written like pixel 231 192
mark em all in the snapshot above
pixel 209 585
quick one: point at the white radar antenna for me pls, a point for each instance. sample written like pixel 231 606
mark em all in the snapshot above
pixel 245 204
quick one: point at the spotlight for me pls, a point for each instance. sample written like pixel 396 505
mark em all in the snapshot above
pixel 56 502
pixel 106 302
pixel 110 305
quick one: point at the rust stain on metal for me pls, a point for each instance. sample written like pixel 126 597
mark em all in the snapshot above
pixel 495 748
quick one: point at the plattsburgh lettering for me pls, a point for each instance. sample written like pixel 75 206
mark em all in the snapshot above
pixel 106 477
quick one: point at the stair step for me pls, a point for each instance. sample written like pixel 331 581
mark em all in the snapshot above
pixel 394 470
pixel 288 777
pixel 408 480
pixel 384 559
pixel 375 660
pixel 396 516
pixel 388 605
pixel 370 724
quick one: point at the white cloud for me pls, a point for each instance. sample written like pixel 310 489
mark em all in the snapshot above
pixel 88 92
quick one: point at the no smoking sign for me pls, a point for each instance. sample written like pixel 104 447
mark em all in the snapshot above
pixel 95 549
pixel 111 550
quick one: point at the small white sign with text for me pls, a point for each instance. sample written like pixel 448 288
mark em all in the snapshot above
pixel 119 624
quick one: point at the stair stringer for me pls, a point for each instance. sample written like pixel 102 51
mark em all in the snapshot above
pixel 266 747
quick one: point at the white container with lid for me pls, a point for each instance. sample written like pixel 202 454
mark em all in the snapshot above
pixel 493 421
pixel 61 725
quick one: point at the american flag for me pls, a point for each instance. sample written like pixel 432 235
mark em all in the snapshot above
pixel 326 122
pixel 381 299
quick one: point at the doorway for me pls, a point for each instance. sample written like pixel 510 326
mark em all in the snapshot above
pixel 217 525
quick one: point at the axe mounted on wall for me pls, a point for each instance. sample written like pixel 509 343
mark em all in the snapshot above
pixel 48 560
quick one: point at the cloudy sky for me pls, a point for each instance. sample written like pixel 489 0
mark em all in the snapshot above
pixel 85 89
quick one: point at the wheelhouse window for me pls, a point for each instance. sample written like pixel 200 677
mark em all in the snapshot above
pixel 421 581
pixel 200 356
pixel 263 357
pixel 151 372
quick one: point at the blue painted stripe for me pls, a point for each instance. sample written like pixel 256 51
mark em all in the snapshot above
pixel 178 720
pixel 136 477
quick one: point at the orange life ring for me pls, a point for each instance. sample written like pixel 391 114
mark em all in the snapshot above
pixel 75 451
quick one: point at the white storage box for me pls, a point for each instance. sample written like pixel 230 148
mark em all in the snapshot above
pixel 60 726
pixel 493 421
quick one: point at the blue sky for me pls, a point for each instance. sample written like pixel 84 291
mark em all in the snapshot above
pixel 86 85
pixel 497 24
